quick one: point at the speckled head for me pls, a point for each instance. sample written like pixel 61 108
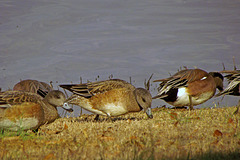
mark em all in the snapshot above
pixel 57 99
pixel 144 99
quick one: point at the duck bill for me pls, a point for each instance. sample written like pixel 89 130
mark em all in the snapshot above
pixel 67 107
pixel 149 113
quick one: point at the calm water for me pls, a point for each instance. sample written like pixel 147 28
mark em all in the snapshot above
pixel 61 41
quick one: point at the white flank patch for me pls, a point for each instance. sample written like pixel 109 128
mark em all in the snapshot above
pixel 182 92
pixel 22 124
pixel 183 98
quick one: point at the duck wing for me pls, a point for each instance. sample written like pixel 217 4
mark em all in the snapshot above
pixel 232 87
pixel 9 98
pixel 88 90
pixel 180 79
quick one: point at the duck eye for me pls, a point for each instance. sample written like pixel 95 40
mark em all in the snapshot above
pixel 143 100
pixel 57 96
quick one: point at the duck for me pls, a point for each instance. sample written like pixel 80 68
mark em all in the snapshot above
pixel 21 110
pixel 110 98
pixel 189 87
pixel 33 86
pixel 233 87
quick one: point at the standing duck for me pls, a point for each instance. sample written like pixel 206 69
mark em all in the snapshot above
pixel 110 97
pixel 189 87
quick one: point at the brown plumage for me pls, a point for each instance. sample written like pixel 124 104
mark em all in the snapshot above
pixel 33 86
pixel 189 87
pixel 26 110
pixel 111 97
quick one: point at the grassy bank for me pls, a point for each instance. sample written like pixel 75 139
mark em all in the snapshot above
pixel 171 134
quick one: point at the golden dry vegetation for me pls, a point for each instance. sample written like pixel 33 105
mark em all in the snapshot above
pixel 171 134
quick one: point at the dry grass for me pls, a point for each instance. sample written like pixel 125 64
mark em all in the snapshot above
pixel 171 134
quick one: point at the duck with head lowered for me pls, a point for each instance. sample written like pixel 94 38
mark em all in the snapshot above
pixel 24 108
pixel 111 98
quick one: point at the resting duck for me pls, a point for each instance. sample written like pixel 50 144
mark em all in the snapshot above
pixel 20 110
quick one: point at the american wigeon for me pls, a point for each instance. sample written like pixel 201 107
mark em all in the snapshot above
pixel 20 110
pixel 33 86
pixel 233 87
pixel 110 98
pixel 189 87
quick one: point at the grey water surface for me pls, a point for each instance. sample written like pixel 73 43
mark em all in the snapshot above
pixel 63 40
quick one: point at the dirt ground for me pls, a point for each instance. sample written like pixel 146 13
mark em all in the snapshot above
pixel 171 134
